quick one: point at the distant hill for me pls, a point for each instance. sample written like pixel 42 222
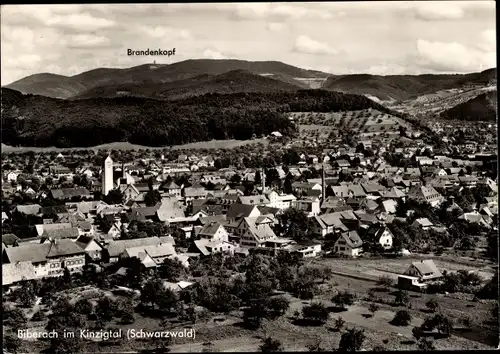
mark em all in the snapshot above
pixel 38 121
pixel 226 83
pixel 480 108
pixel 404 87
pixel 58 86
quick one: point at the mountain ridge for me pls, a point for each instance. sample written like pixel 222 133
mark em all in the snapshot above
pixel 389 87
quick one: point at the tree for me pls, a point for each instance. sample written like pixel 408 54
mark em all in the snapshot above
pixel 315 347
pixel 373 308
pixel 316 312
pixel 339 324
pixel 279 305
pixel 84 307
pixel 270 345
pixel 162 344
pixel 150 292
pixel 402 318
pixel 25 295
pixel 425 344
pixel 432 305
pixel 14 317
pixel 343 299
pixel 257 179
pixel 11 343
pixel 402 298
pixel 385 282
pixel 352 340
pixel 152 198
pixel 115 196
pixel 172 270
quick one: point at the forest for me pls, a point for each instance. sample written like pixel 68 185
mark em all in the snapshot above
pixel 39 121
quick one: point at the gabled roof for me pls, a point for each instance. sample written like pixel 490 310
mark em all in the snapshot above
pixel 115 248
pixel 31 209
pixel 253 199
pixel 427 267
pixel 84 240
pixel 210 229
pixel 67 193
pixel 16 272
pixel 260 233
pixel 352 239
pixel 237 210
pixel 71 232
pixel 9 239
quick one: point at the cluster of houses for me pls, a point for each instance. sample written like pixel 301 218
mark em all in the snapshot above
pixel 222 218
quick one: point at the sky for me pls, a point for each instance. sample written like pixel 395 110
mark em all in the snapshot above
pixel 382 38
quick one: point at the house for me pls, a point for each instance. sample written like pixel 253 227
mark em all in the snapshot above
pixel 477 218
pixel 380 234
pixel 303 187
pixel 49 258
pixel 113 250
pixel 207 247
pixel 305 249
pixel 92 248
pixel 196 191
pixel 12 176
pixel 348 244
pixel 70 193
pixel 423 223
pixel 9 240
pixel 280 201
pixel 214 231
pixel 334 204
pixel 41 228
pixel 255 231
pixel 155 253
pixel 129 191
pixel 349 191
pixel 169 209
pixel 31 209
pixel 332 222
pixel 13 273
pixel 425 270
pixel 425 194
pixel 55 234
pixel 253 200
pixel 309 205
pixel 172 189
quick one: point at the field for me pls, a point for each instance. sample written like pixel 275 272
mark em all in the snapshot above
pixel 364 121
pixel 213 144
pixel 358 277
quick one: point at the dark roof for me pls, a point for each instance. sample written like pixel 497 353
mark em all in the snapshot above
pixel 67 193
pixel 9 239
pixel 239 210
pixel 56 209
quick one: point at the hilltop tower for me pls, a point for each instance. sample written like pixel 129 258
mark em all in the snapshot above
pixel 107 176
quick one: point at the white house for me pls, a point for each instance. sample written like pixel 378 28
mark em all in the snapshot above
pixel 280 201
pixel 348 244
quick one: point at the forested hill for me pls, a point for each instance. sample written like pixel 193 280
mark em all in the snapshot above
pixel 59 86
pixel 30 120
pixel 479 108
pixel 404 87
pixel 226 83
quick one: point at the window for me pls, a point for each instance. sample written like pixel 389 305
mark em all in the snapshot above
pixel 342 248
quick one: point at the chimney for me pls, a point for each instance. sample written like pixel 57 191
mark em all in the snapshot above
pixel 123 170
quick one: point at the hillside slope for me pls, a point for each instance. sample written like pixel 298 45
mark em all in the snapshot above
pixel 57 86
pixel 226 83
pixel 29 120
pixel 404 87
pixel 480 108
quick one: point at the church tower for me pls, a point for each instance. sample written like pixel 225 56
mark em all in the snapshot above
pixel 107 176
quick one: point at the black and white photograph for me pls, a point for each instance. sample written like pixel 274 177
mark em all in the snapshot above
pixel 249 177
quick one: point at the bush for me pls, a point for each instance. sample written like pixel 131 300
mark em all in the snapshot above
pixel 425 344
pixel 316 312
pixel 402 298
pixel 402 318
pixel 271 345
pixel 39 316
pixel 343 299
pixel 373 308
pixel 385 282
pixel 339 324
pixel 379 348
pixel 432 305
pixel 352 340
